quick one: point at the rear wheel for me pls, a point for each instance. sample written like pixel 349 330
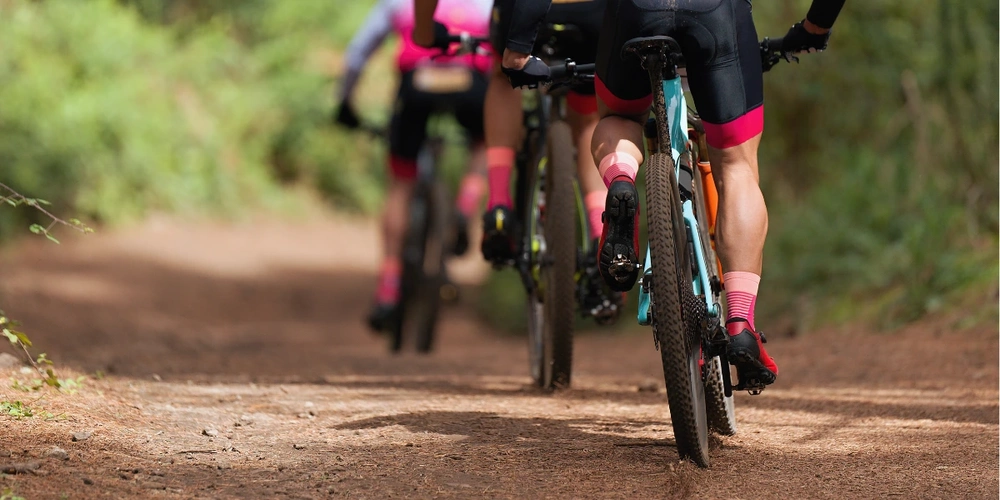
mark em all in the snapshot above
pixel 559 267
pixel 423 276
pixel 671 294
pixel 720 408
pixel 552 240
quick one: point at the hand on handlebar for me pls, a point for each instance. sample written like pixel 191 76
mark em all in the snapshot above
pixel 798 39
pixel 441 39
pixel 534 73
pixel 346 116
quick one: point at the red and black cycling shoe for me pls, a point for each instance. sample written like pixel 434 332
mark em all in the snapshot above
pixel 745 351
pixel 618 260
pixel 498 236
pixel 383 317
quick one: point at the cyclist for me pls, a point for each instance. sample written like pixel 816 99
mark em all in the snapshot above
pixel 428 84
pixel 503 115
pixel 719 44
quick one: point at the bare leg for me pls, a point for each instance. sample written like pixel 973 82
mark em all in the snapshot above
pixel 502 112
pixel 503 116
pixel 583 131
pixel 394 217
pixel 742 223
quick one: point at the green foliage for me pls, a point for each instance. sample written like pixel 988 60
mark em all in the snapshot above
pixel 16 409
pixel 880 162
pixel 196 106
pixel 8 494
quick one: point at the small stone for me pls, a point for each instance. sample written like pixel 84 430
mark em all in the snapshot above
pixel 124 476
pixel 157 378
pixel 88 480
pixel 81 436
pixel 649 385
pixel 299 446
pixel 7 361
pixel 57 453
pixel 210 432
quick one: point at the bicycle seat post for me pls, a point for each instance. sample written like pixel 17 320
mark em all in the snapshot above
pixel 659 55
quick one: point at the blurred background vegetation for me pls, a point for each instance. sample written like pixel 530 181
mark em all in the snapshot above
pixel 879 161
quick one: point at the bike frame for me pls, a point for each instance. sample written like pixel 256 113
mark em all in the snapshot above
pixel 677 123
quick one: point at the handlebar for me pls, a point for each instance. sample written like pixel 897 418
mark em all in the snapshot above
pixel 771 53
pixel 569 71
pixel 467 44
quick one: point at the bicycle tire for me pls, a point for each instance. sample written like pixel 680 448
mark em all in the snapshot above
pixel 436 248
pixel 680 351
pixel 721 409
pixel 411 255
pixel 559 272
pixel 423 268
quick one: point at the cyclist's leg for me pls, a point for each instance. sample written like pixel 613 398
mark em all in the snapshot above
pixel 468 106
pixel 728 90
pixel 408 129
pixel 624 99
pixel 503 118
pixel 582 116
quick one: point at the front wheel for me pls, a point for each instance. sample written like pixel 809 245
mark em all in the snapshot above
pixel 671 294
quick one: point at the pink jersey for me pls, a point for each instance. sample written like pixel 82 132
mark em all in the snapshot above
pixel 469 16
pixel 396 16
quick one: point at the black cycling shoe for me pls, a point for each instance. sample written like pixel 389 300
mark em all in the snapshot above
pixel 461 243
pixel 596 300
pixel 619 262
pixel 754 367
pixel 383 317
pixel 498 236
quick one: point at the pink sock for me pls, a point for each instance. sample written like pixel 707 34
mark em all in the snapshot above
pixel 617 164
pixel 470 193
pixel 499 165
pixel 741 295
pixel 594 202
pixel 388 281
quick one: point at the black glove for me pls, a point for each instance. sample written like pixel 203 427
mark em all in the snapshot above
pixel 533 73
pixel 441 37
pixel 799 40
pixel 347 117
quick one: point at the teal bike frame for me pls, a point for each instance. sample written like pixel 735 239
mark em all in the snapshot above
pixel 677 118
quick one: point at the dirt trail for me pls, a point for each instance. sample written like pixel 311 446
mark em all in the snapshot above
pixel 238 367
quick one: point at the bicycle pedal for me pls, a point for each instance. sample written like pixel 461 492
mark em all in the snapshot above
pixel 621 268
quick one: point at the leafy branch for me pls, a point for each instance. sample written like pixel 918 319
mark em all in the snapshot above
pixel 8 327
pixel 15 199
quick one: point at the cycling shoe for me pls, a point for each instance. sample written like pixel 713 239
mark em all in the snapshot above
pixel 461 243
pixel 383 317
pixel 619 262
pixel 498 236
pixel 745 351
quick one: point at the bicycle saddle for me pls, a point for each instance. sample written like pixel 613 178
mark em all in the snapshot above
pixel 645 46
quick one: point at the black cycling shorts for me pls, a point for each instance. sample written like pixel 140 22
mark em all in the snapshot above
pixel 579 43
pixel 413 108
pixel 720 48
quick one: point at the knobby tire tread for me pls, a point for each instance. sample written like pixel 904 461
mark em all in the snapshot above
pixel 669 322
pixel 560 237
